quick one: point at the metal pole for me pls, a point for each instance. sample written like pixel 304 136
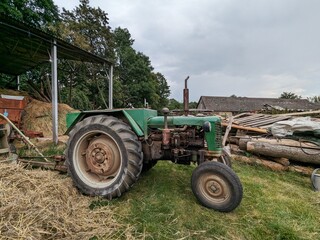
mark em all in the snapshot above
pixel 111 87
pixel 54 82
pixel 18 83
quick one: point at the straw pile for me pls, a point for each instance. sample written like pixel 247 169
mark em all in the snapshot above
pixel 38 204
pixel 38 117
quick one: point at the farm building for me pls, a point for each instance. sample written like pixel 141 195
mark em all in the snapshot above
pixel 245 104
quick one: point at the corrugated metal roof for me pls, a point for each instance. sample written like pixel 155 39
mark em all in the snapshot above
pixel 22 47
pixel 244 104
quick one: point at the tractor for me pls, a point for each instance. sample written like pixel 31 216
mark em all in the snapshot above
pixel 108 149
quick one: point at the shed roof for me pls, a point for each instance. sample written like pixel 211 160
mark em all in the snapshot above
pixel 23 47
pixel 244 104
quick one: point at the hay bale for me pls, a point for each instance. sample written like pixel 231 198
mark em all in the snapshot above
pixel 38 117
pixel 38 204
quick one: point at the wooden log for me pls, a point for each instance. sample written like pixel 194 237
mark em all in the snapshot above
pixel 258 130
pixel 283 161
pixel 278 151
pixel 300 169
pixel 300 113
pixel 255 161
pixel 283 142
pixel 307 171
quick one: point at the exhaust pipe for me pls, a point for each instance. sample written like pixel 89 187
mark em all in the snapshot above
pixel 186 97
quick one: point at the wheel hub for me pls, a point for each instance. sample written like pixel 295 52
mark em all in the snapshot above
pixel 213 187
pixel 100 157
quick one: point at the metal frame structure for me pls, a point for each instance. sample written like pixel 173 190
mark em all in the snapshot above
pixel 23 47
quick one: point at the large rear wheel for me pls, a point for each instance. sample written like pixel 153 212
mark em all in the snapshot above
pixel 216 186
pixel 104 156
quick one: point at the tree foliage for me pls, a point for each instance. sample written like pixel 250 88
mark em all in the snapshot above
pixel 85 85
pixel 289 95
pixel 40 13
pixel 136 75
pixel 314 99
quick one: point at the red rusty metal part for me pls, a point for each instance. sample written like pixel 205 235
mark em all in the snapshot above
pixel 14 108
pixel 33 134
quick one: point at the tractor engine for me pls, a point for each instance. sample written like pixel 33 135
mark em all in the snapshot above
pixel 183 143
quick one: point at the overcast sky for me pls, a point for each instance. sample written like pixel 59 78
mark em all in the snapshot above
pixel 252 48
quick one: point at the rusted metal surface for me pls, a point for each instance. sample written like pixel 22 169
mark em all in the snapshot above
pixel 14 108
pixel 166 135
pixel 58 162
pixel 101 158
pixel 33 134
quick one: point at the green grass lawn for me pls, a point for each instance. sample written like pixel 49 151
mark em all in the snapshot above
pixel 275 205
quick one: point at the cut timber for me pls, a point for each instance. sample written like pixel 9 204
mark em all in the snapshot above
pixel 303 170
pixel 259 130
pixel 300 113
pixel 255 161
pixel 283 142
pixel 280 151
pixel 273 166
pixel 283 161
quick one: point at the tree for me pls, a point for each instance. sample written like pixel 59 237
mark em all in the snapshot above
pixel 163 89
pixel 174 104
pixel 289 95
pixel 40 13
pixel 88 28
pixel 193 105
pixel 135 73
pixel 314 99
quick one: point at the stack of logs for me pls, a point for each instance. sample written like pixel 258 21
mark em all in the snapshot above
pixel 248 133
pixel 280 152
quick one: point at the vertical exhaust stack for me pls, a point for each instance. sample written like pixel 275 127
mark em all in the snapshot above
pixel 186 97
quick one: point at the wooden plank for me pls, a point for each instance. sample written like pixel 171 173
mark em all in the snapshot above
pixel 300 113
pixel 258 130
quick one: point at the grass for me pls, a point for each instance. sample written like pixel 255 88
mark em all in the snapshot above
pixel 275 206
pixel 161 205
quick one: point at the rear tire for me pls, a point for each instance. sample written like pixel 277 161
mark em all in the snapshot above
pixel 216 186
pixel 104 156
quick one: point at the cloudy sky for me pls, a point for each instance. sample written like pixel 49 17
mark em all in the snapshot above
pixel 253 48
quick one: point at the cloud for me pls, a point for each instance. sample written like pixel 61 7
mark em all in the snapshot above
pixel 247 48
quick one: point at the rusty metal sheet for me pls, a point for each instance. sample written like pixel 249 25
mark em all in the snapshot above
pixel 13 108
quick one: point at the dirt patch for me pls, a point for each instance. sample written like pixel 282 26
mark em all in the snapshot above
pixel 38 117
pixel 38 204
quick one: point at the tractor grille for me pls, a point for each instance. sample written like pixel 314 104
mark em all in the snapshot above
pixel 218 135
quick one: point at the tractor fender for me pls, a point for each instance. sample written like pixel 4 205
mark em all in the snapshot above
pixel 74 117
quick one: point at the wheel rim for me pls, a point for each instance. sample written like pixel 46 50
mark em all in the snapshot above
pixel 214 188
pixel 97 159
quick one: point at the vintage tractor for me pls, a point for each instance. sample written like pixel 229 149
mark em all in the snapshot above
pixel 108 149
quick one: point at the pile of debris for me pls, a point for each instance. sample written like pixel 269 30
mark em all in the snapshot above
pixel 284 139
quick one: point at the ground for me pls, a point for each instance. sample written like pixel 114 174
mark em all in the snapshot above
pixel 41 204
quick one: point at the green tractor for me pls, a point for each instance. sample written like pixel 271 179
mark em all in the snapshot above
pixel 108 149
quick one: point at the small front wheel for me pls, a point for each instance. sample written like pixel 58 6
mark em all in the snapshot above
pixel 216 186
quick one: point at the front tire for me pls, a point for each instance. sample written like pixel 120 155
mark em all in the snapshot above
pixel 104 156
pixel 216 186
